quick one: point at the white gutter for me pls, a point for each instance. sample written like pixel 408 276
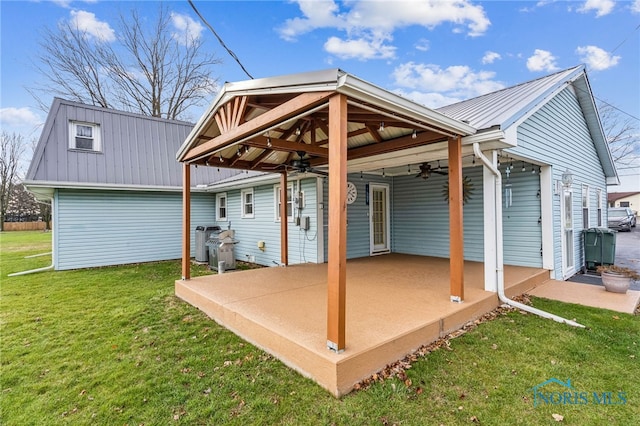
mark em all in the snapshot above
pixel 46 268
pixel 499 247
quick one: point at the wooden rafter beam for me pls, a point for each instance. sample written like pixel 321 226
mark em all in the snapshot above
pixel 373 131
pixel 261 123
pixel 287 146
pixel 385 147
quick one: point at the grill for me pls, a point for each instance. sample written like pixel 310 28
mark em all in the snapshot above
pixel 221 250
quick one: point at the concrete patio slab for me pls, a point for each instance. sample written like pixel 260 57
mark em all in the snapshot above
pixel 588 295
pixel 395 304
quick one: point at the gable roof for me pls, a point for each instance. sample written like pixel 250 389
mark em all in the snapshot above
pixel 262 124
pixel 137 152
pixel 506 108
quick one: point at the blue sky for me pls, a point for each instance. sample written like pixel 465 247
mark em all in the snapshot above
pixel 435 52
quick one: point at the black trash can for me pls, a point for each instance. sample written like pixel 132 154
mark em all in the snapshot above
pixel 599 247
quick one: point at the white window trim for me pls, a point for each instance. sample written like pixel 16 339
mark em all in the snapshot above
pixel 226 207
pixel 97 142
pixel 276 202
pixel 586 206
pixel 243 203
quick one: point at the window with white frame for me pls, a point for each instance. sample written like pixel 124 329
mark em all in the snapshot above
pixel 84 136
pixel 221 206
pixel 276 194
pixel 585 206
pixel 599 204
pixel 247 203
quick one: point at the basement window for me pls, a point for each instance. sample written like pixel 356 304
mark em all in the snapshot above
pixel 84 136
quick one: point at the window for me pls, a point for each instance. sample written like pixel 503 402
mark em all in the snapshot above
pixel 625 204
pixel 84 136
pixel 221 206
pixel 289 203
pixel 599 204
pixel 585 206
pixel 247 203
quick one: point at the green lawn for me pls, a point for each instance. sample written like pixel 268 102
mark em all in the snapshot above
pixel 114 346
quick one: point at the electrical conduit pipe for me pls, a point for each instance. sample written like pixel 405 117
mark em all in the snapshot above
pixel 46 268
pixel 499 249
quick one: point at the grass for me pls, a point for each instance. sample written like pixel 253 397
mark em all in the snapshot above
pixel 115 346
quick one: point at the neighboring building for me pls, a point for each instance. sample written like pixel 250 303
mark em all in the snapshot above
pixel 543 135
pixel 624 199
pixel 115 186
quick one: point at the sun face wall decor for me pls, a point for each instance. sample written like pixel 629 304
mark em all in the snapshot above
pixel 467 190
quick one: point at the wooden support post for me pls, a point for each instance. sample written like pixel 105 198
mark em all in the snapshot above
pixel 186 221
pixel 337 262
pixel 456 232
pixel 284 224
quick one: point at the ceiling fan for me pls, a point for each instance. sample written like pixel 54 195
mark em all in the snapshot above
pixel 426 170
pixel 301 165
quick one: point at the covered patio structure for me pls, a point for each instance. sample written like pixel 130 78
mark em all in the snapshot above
pixel 395 304
pixel 332 123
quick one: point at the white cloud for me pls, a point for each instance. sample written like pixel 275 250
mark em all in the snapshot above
pixel 424 45
pixel 359 49
pixel 373 22
pixel 90 25
pixel 597 59
pixel 435 86
pixel 635 6
pixel 429 99
pixel 602 7
pixel 490 57
pixel 542 60
pixel 187 29
pixel 19 117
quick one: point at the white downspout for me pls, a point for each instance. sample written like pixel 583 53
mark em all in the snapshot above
pixel 499 247
pixel 46 268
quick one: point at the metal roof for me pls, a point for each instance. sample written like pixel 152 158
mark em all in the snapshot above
pixel 291 111
pixel 137 152
pixel 502 108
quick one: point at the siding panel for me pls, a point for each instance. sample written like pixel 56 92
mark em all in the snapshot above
pixel 98 228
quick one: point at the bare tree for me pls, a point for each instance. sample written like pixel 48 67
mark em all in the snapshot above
pixel 149 69
pixel 623 135
pixel 11 149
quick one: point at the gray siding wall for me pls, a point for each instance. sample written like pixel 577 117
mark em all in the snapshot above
pixel 264 227
pixel 99 228
pixel 557 134
pixel 135 150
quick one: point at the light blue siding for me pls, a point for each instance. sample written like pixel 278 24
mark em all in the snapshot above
pixel 99 228
pixel 421 216
pixel 358 231
pixel 557 134
pixel 521 221
pixel 265 227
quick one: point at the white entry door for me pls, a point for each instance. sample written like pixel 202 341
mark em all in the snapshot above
pixel 568 253
pixel 379 218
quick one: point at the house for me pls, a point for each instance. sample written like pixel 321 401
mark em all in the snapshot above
pixel 114 185
pixel 533 132
pixel 624 199
pixel 508 178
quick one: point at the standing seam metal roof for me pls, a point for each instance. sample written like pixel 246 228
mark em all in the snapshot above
pixel 503 107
